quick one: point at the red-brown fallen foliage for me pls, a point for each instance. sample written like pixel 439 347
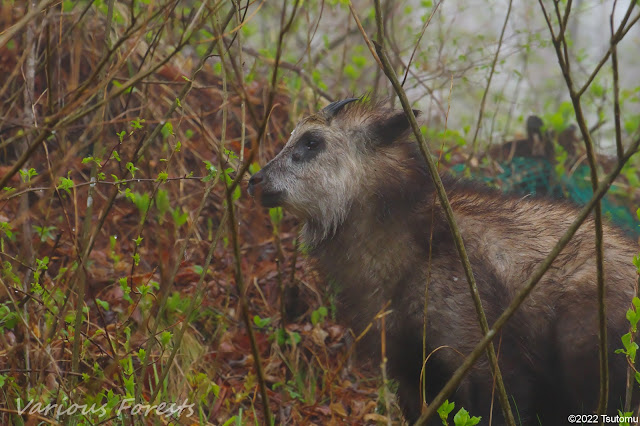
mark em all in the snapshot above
pixel 309 376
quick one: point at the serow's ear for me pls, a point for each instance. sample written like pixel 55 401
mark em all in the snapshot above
pixel 392 128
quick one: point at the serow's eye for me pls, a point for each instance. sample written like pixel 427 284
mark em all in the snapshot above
pixel 312 144
pixel 307 147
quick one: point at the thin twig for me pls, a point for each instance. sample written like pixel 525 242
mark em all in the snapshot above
pixel 25 211
pixel 383 367
pixel 364 34
pixel 244 306
pixel 101 182
pixel 284 29
pixel 197 296
pixel 474 143
pixel 288 66
pixel 10 33
pixel 444 201
pixel 62 118
pixel 415 48
pixel 616 86
pixel 429 257
pixel 480 348
pixel 168 278
pixel 617 37
pixel 561 48
pixel 88 216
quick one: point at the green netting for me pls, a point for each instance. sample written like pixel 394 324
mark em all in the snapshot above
pixel 525 175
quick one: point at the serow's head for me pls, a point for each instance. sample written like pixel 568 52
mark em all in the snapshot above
pixel 330 160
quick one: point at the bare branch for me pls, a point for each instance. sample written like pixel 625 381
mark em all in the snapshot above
pixel 474 143
pixel 364 34
pixel 444 201
pixel 19 26
pixel 415 48
pixel 619 35
pixel 616 87
pixel 480 348
pixel 560 45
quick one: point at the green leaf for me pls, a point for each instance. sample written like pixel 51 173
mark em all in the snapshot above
pixel 68 5
pixel 137 124
pixel 165 338
pixel 462 418
pixel 66 184
pixel 596 89
pixel 318 316
pixel 140 200
pixel 255 168
pixel 132 169
pixel 261 322
pixel 28 174
pixel 162 202
pixel 177 303
pixel 294 337
pixel 6 229
pixel 276 216
pixel 167 130
pixel 231 421
pixel 211 171
pixel 213 387
pixel 8 319
pixel 198 269
pixel 351 72
pixel 632 124
pixel 281 336
pixel 104 305
pixel 230 154
pixel 630 346
pixel 179 218
pixel 445 409
pixel 622 416
pixel 359 61
pixel 633 314
pixel 317 79
pixel 45 232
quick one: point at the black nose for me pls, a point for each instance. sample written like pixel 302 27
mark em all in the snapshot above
pixel 255 179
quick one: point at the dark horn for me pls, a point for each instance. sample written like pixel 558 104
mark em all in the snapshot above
pixel 334 108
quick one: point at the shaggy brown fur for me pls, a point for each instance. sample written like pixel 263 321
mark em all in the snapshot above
pixel 352 174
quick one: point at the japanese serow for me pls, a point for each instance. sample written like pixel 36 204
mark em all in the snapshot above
pixel 354 176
